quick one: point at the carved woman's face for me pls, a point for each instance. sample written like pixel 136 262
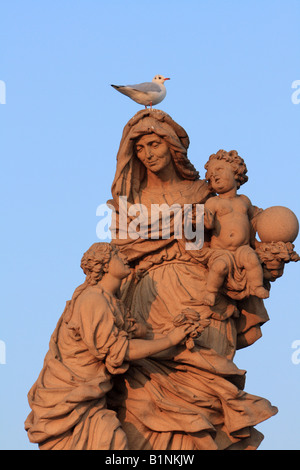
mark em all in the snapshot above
pixel 153 152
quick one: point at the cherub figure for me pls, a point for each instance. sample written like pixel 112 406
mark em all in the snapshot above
pixel 229 216
pixel 94 340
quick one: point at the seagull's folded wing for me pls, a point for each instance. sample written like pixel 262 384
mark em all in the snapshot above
pixel 146 87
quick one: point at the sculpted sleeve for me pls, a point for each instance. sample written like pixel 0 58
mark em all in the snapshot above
pixel 98 330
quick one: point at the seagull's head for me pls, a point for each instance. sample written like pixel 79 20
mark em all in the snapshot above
pixel 159 79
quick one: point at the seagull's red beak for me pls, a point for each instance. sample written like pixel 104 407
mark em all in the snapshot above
pixel 166 79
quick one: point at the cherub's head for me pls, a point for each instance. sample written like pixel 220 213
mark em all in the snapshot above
pixel 236 163
pixel 96 261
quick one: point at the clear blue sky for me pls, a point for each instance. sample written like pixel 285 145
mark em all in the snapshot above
pixel 232 65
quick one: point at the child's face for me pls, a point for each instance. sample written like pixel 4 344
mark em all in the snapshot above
pixel 221 176
pixel 119 266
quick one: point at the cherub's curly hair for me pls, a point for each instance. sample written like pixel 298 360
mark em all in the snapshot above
pixel 237 163
pixel 95 261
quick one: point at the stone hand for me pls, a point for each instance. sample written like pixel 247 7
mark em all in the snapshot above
pixel 179 333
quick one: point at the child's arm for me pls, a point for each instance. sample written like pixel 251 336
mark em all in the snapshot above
pixel 253 212
pixel 140 348
pixel 210 212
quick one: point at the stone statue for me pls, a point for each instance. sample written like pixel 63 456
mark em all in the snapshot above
pixel 229 217
pixel 142 357
pixel 193 397
pixel 91 342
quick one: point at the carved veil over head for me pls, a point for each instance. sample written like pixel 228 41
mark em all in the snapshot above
pixel 130 171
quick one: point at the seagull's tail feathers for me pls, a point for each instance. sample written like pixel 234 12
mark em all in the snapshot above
pixel 128 91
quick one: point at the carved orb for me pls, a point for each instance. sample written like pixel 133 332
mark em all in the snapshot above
pixel 277 224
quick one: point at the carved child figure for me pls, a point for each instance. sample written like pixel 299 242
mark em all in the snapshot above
pixel 91 343
pixel 229 216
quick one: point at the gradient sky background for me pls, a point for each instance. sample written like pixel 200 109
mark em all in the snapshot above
pixel 232 65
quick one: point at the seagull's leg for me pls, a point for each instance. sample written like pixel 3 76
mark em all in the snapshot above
pixel 146 107
pixel 150 104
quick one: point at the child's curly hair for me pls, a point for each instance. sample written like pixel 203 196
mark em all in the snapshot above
pixel 237 163
pixel 95 261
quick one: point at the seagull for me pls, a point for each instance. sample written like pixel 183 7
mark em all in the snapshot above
pixel 148 93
